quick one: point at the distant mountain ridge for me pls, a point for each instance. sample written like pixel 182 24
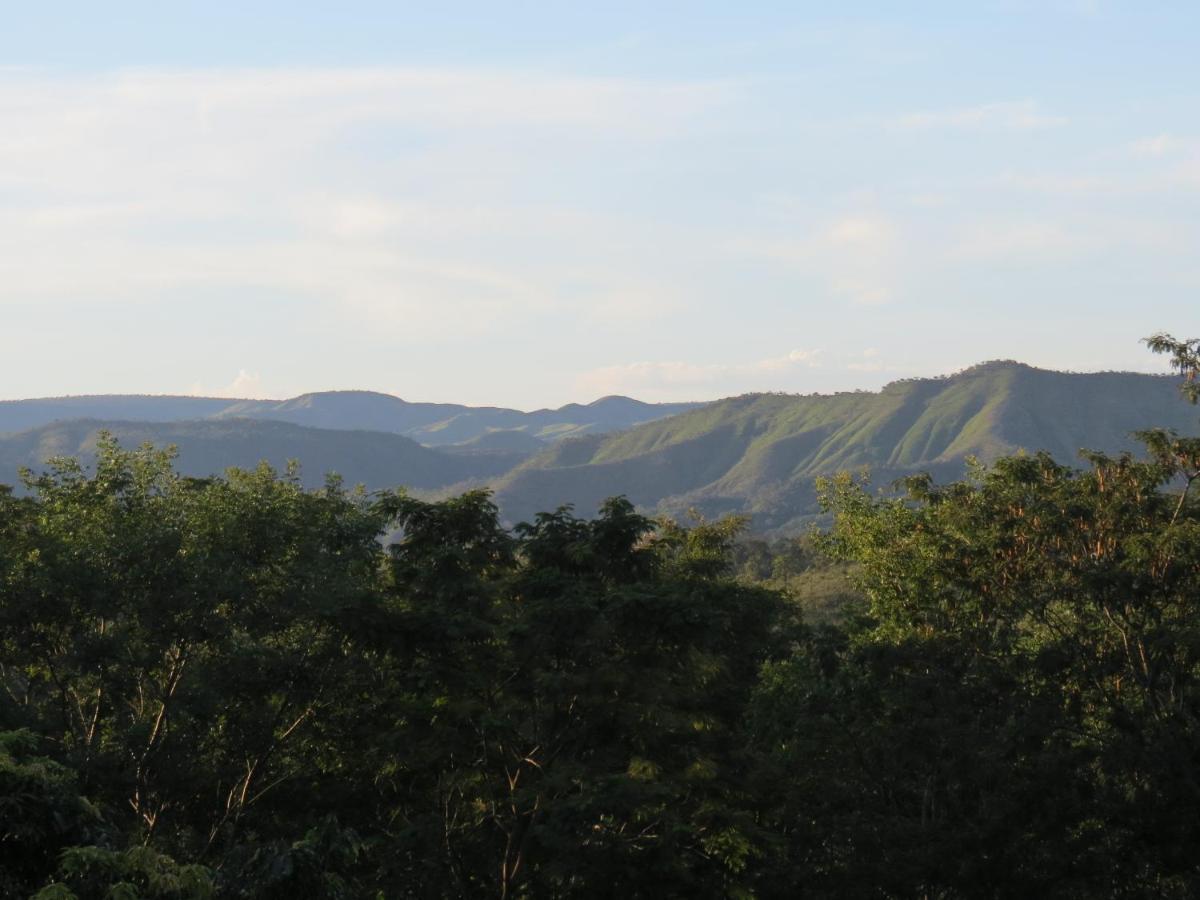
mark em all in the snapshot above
pixel 433 424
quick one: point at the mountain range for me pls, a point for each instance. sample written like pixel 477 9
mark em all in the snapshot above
pixel 432 424
pixel 756 454
pixel 760 453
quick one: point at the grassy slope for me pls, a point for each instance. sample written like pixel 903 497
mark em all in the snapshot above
pixel 760 453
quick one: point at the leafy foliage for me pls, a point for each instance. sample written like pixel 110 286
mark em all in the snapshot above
pixel 237 674
pixel 1185 359
pixel 1021 706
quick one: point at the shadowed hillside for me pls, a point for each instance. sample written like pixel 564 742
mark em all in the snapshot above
pixel 374 459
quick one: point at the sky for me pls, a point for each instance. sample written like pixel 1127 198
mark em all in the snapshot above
pixel 529 204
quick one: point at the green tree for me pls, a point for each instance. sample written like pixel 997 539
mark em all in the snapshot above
pixel 1018 714
pixel 573 703
pixel 1185 359
pixel 41 811
pixel 179 640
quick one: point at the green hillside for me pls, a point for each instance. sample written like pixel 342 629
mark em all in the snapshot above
pixel 759 453
pixel 375 459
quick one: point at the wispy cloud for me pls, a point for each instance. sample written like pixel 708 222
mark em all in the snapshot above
pixel 856 256
pixel 490 233
pixel 869 362
pixel 1070 238
pixel 1158 145
pixel 1020 115
pixel 393 197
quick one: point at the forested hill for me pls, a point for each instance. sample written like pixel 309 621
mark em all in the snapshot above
pixel 372 458
pixel 428 423
pixel 759 453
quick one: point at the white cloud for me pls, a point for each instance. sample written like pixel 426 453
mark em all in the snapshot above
pixel 246 385
pixel 389 197
pixel 1145 168
pixel 1157 146
pixel 264 109
pixel 868 360
pixel 807 359
pixel 1021 115
pixel 861 232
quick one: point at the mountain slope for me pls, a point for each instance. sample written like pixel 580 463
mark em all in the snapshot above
pixel 375 459
pixel 760 453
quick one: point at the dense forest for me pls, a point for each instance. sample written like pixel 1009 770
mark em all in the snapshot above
pixel 235 686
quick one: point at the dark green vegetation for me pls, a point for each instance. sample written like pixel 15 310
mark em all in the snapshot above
pixel 372 458
pixel 230 687
pixel 434 424
pixel 758 454
pixel 821 588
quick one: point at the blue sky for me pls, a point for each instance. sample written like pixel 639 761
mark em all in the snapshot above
pixel 527 204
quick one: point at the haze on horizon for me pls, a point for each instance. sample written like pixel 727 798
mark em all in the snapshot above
pixel 530 206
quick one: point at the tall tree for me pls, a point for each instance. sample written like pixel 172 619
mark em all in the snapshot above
pixel 1019 712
